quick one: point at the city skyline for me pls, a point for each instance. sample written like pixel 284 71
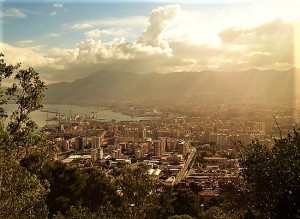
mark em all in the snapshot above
pixel 149 109
pixel 67 40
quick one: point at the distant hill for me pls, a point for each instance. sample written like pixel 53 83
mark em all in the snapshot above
pixel 211 86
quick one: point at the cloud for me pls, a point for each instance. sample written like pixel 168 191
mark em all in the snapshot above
pixel 117 55
pixel 26 41
pixel 12 12
pixel 30 44
pixel 112 22
pixel 52 35
pixel 97 33
pixel 27 56
pixel 159 20
pixel 263 45
pixel 48 66
pixel 81 26
pixel 268 46
pixel 58 6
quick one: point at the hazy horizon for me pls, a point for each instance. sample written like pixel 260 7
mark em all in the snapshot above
pixel 149 109
pixel 67 40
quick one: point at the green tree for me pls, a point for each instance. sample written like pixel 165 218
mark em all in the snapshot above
pixel 186 202
pixel 163 205
pixel 66 185
pixel 139 192
pixel 273 177
pixel 5 72
pixel 74 191
pixel 99 192
pixel 196 188
pixel 21 193
pixel 26 93
pixel 269 185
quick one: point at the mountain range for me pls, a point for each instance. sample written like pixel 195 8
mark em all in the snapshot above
pixel 210 86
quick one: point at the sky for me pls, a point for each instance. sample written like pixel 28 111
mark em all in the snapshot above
pixel 67 40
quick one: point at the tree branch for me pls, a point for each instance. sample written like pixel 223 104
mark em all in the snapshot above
pixel 278 127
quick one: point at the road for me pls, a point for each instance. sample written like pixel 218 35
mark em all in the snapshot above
pixel 184 170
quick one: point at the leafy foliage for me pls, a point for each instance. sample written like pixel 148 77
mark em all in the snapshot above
pixel 274 177
pixel 186 202
pixel 269 186
pixel 69 186
pixel 5 72
pixel 32 186
pixel 21 193
pixel 27 93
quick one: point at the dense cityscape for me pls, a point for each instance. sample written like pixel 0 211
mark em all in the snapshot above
pixel 178 147
pixel 127 109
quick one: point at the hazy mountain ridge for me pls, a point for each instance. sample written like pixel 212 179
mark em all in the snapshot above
pixel 205 86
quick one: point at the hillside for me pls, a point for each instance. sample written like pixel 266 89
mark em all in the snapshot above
pixel 202 86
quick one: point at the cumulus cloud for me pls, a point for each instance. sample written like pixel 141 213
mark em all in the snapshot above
pixel 92 55
pixel 58 6
pixel 268 45
pixel 27 56
pixel 31 45
pixel 53 13
pixel 97 33
pixel 81 26
pixel 263 45
pixel 159 20
pixel 48 66
pixel 12 12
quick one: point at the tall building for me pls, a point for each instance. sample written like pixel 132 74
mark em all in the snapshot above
pixel 79 143
pixel 100 153
pixel 144 148
pixel 221 140
pixel 183 148
pixel 163 142
pixel 114 154
pixel 144 133
pixel 212 137
pixel 96 142
pixel 65 145
pixel 123 146
pixel 158 148
pixel 94 155
pixel 119 154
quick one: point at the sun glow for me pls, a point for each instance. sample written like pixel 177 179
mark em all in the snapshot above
pixel 297 64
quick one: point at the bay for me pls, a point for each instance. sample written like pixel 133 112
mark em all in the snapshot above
pixel 50 110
